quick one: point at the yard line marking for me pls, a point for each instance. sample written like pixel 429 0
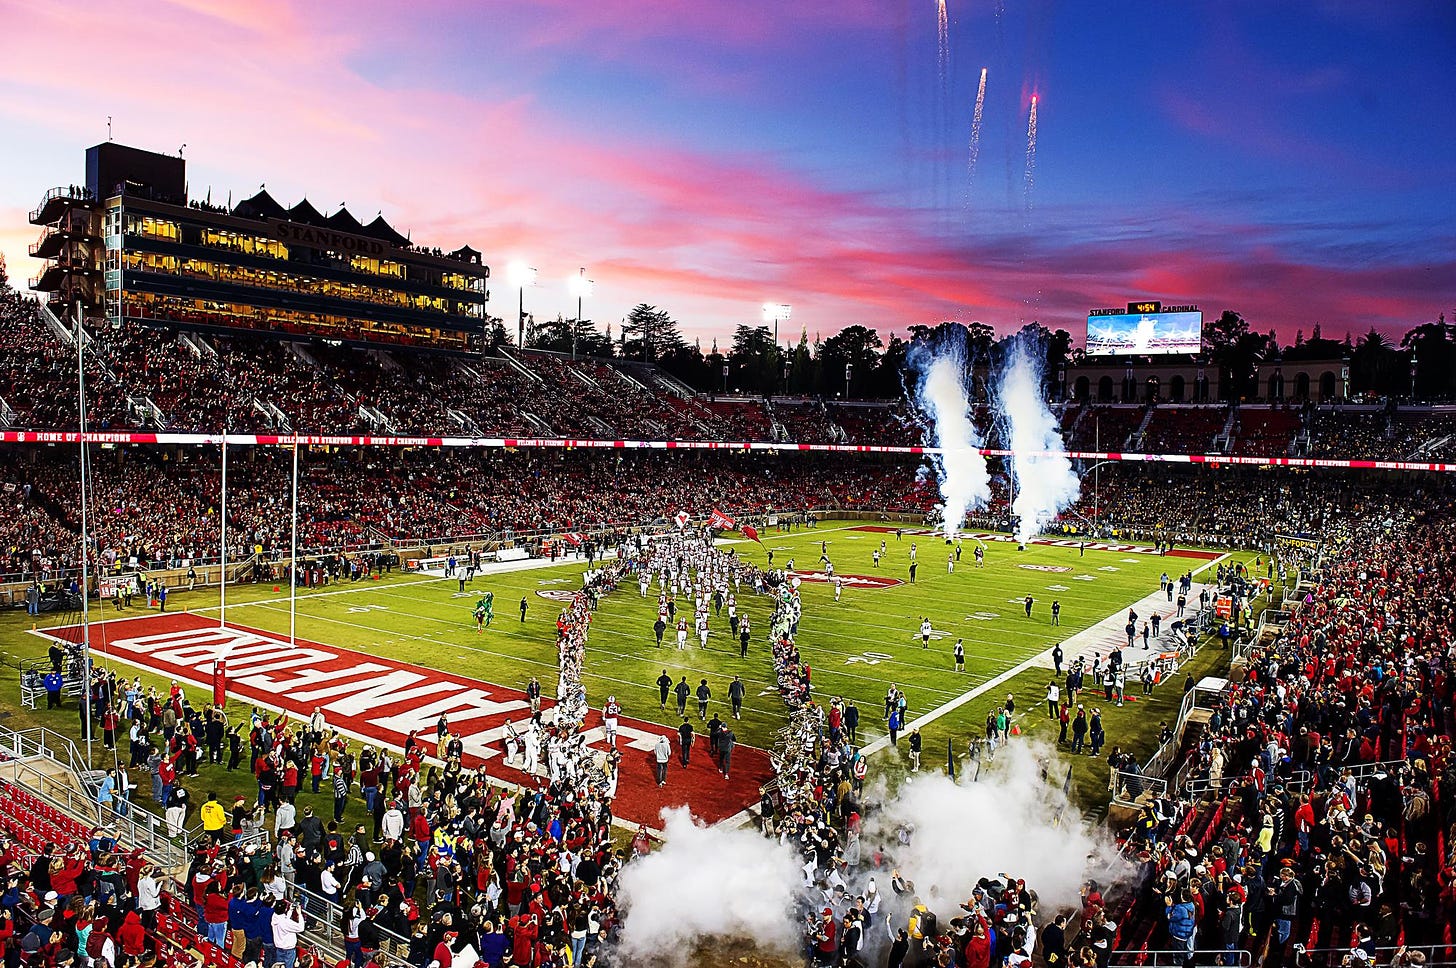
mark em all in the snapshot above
pixel 1042 659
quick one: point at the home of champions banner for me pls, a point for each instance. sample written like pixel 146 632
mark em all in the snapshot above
pixel 381 700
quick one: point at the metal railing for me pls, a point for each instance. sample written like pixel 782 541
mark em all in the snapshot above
pixel 193 834
pixel 39 741
pixel 1178 957
pixel 325 927
pixel 1299 780
pixel 1131 787
pixel 1384 955
pixel 1360 770
pixel 1158 763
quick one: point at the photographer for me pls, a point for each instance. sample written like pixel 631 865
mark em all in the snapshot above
pixel 288 924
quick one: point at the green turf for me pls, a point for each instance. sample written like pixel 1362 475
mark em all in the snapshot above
pixel 429 622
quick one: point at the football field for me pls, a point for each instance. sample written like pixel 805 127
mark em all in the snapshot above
pixel 857 647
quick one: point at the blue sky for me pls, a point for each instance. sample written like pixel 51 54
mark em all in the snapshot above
pixel 1291 161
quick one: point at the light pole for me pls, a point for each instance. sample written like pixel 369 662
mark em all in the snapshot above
pixel 776 312
pixel 521 275
pixel 848 376
pixel 580 287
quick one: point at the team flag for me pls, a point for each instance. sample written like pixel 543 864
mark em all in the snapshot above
pixel 719 521
pixel 751 533
pixel 575 537
pixel 682 518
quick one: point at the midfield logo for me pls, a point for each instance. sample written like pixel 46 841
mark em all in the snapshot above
pixel 850 581
pixel 1046 567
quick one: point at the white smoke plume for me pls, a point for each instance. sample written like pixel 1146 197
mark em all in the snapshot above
pixel 708 882
pixel 940 393
pixel 1045 483
pixel 1011 821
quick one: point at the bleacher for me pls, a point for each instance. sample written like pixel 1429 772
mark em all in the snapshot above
pixel 83 836
pixel 1174 429
pixel 1106 426
pixel 1265 431
pixel 36 824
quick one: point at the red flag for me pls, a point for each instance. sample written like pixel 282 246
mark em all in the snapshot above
pixel 719 521
pixel 751 533
pixel 573 536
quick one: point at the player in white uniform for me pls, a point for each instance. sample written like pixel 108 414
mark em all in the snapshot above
pixel 838 588
pixel 610 712
pixel 682 632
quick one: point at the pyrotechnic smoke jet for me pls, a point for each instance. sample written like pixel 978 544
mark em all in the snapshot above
pixel 940 394
pixel 1045 482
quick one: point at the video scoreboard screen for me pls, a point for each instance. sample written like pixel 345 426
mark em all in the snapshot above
pixel 1143 329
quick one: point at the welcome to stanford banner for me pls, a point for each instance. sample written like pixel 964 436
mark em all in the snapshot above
pixel 345 440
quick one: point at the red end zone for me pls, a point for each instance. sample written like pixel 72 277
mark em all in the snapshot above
pixel 381 700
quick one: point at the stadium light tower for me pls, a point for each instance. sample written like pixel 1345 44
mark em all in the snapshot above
pixel 521 275
pixel 775 312
pixel 580 287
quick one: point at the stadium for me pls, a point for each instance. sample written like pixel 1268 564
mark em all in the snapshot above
pixel 338 591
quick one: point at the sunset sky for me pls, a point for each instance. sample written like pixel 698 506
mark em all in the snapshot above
pixel 1292 161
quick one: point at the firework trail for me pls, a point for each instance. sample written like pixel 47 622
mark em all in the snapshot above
pixel 1030 153
pixel 976 135
pixel 941 165
pixel 942 43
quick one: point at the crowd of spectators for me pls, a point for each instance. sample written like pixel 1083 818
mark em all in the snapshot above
pixel 1268 431
pixel 453 864
pixel 806 421
pixel 1326 821
pixel 1182 430
pixel 158 378
pixel 1104 427
pixel 1351 434
pixel 162 506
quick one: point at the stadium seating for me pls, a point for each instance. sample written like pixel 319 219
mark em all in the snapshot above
pixel 1182 430
pixel 34 823
pixel 1265 430
pixel 1335 746
pixel 1350 433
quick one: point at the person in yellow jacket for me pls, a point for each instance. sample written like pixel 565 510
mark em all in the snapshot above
pixel 214 818
pixel 921 926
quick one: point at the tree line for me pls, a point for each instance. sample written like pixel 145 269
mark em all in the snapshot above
pixel 1420 366
pixel 855 362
